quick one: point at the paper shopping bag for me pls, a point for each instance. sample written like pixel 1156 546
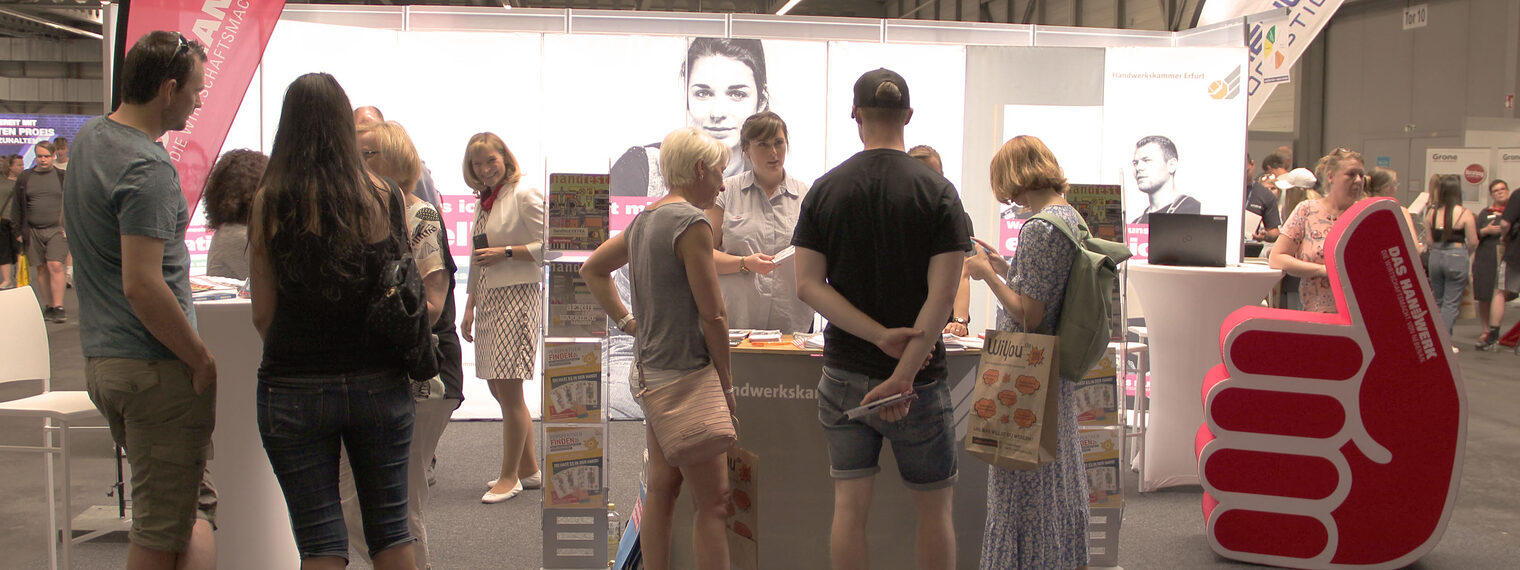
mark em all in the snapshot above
pixel 1012 424
pixel 744 482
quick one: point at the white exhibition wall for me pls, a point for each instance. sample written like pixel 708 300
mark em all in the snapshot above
pixel 576 102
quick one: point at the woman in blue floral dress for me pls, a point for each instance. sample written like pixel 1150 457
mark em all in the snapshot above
pixel 1036 519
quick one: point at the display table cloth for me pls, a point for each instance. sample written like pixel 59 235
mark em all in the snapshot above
pixel 1184 308
pixel 253 527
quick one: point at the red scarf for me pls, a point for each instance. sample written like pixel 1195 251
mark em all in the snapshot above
pixel 490 199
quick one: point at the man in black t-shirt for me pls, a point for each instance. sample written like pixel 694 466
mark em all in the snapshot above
pixel 880 242
pixel 1262 202
pixel 1510 268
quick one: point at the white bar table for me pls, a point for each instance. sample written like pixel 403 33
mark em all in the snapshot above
pixel 1184 308
pixel 253 527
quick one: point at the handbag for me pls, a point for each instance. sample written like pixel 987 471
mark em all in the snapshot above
pixel 689 416
pixel 1012 424
pixel 397 312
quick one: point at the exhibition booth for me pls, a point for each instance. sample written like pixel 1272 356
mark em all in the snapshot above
pixel 1156 120
pixel 572 92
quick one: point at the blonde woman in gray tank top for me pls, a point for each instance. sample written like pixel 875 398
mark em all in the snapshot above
pixel 669 251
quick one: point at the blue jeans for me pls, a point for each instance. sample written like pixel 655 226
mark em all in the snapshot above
pixel 923 443
pixel 305 420
pixel 1449 267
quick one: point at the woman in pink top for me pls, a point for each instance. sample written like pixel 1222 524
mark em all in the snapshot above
pixel 1301 249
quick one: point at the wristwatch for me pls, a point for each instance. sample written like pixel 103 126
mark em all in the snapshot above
pixel 961 320
pixel 622 323
pixel 509 252
pixel 742 267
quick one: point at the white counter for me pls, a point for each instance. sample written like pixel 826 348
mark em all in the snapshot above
pixel 253 527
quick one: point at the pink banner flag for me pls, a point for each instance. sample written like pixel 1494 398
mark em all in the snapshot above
pixel 234 33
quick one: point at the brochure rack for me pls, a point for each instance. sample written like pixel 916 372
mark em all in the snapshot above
pixel 575 430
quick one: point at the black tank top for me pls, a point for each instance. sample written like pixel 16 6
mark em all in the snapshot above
pixel 1437 231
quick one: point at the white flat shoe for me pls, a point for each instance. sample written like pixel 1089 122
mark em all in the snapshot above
pixel 534 481
pixel 492 498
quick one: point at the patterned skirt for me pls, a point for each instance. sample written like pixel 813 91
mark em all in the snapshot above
pixel 1037 519
pixel 507 321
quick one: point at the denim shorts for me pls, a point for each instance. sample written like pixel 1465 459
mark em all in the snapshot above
pixel 923 443
pixel 304 421
pixel 165 427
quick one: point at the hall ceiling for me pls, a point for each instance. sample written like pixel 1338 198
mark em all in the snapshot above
pixel 79 19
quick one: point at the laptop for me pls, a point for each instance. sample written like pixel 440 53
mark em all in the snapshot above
pixel 1188 239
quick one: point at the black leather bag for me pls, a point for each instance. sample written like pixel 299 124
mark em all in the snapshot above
pixel 397 314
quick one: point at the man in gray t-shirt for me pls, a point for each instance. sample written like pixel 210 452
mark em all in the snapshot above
pixel 146 368
pixel 39 219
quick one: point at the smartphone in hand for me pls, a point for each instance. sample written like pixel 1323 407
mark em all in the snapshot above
pixel 481 242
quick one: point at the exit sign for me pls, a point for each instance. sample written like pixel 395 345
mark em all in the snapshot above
pixel 1416 16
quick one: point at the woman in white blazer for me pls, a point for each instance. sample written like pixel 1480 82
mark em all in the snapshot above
pixel 506 293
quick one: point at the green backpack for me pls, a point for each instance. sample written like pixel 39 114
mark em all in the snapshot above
pixel 1083 330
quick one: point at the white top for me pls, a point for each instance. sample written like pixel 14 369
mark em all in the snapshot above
pixel 755 223
pixel 516 218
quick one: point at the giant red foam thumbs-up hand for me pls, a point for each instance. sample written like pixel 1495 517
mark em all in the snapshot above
pixel 1335 440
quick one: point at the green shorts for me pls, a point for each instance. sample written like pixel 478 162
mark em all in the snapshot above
pixel 154 413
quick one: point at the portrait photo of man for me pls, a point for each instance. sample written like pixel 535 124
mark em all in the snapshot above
pixel 1155 166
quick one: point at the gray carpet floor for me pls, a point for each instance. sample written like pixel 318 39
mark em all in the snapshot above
pixel 1160 529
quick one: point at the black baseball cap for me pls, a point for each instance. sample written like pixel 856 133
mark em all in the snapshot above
pixel 865 89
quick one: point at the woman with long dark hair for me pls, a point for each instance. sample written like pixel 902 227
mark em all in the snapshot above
pixel 321 234
pixel 1451 231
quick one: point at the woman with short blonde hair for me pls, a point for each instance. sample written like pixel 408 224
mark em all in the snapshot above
pixel 669 247
pixel 689 147
pixel 391 153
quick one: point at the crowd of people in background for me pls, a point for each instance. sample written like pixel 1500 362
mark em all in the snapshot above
pixel 351 440
pixel 1461 250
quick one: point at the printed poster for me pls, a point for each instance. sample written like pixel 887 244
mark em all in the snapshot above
pixel 578 211
pixel 572 382
pixel 573 312
pixel 1470 165
pixel 575 464
pixel 1181 146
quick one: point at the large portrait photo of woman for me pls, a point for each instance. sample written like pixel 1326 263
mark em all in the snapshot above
pixel 725 82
